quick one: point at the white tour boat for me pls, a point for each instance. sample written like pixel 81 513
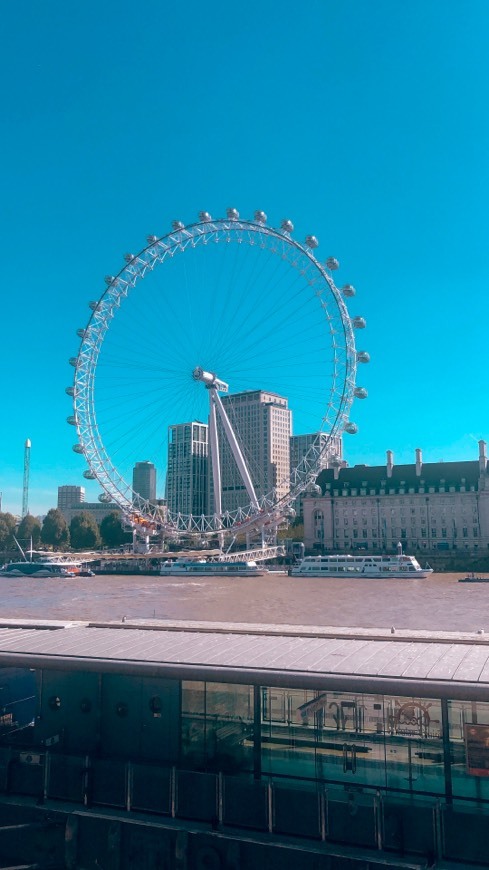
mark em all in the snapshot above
pixel 368 567
pixel 204 568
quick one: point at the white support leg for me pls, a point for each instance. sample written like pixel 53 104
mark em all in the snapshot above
pixel 233 443
pixel 214 446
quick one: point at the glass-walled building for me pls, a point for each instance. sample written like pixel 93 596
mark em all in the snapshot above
pixel 315 750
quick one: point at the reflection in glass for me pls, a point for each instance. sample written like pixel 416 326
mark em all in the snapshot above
pixel 217 726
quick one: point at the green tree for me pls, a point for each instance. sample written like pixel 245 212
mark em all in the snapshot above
pixel 294 532
pixel 84 532
pixel 54 530
pixel 7 529
pixel 29 529
pixel 113 535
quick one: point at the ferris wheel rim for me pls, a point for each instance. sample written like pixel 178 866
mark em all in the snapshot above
pixel 118 287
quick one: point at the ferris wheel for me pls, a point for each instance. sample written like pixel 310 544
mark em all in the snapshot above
pixel 196 322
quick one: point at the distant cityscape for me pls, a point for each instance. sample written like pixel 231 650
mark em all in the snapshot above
pixel 263 423
pixel 424 506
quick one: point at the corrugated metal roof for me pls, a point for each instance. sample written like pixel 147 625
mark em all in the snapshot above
pixel 453 667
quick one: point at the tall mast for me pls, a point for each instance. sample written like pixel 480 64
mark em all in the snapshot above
pixel 25 487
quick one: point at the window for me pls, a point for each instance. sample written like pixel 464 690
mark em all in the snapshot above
pixel 465 532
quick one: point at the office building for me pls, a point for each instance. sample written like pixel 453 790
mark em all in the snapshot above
pixel 426 506
pixel 144 480
pixel 262 423
pixel 187 474
pixel 70 496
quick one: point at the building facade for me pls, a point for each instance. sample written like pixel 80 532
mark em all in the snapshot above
pixel 425 506
pixel 98 510
pixel 194 748
pixel 70 496
pixel 144 480
pixel 187 474
pixel 262 423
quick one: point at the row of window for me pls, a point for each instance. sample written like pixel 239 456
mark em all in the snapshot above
pixel 402 533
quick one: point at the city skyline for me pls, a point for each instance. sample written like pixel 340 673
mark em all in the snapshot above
pixel 375 141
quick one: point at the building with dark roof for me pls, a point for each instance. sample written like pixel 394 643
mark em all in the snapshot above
pixel 425 506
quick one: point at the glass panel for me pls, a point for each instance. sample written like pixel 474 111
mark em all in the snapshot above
pixel 351 738
pixel 217 726
pixel 469 748
pixel 414 745
pixel 288 733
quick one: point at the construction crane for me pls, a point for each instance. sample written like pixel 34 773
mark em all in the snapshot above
pixel 25 487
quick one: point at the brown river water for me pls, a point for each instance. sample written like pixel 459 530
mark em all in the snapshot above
pixel 438 603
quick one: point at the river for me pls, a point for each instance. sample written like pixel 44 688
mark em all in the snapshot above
pixel 438 603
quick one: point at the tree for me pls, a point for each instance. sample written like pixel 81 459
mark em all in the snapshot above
pixel 113 535
pixel 294 532
pixel 84 532
pixel 7 529
pixel 29 529
pixel 54 530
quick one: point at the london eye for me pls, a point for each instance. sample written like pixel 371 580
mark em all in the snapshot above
pixel 210 310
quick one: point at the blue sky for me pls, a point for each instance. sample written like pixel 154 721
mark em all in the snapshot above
pixel 364 122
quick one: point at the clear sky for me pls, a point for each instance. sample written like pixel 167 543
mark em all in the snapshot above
pixel 364 122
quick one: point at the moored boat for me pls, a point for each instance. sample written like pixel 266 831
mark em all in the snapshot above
pixel 366 567
pixel 35 569
pixel 46 565
pixel 473 578
pixel 204 568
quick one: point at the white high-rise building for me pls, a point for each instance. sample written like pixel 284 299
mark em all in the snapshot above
pixel 187 475
pixel 144 480
pixel 262 423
